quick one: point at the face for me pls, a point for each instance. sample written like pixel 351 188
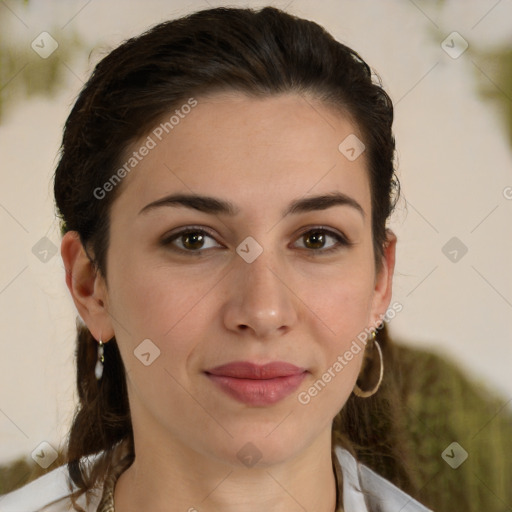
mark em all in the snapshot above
pixel 276 277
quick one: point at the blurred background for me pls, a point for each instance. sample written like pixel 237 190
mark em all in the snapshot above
pixel 447 65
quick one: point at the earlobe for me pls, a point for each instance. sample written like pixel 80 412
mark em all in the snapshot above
pixel 86 286
pixel 384 280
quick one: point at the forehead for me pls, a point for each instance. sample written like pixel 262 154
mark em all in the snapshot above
pixel 264 149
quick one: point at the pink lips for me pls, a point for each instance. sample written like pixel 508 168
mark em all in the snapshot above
pixel 255 384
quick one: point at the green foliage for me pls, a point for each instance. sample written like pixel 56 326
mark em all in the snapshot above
pixel 441 406
pixel 22 471
pixel 495 82
pixel 23 73
pixel 14 475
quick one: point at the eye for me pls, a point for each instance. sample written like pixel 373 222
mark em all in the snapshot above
pixel 316 240
pixel 190 240
pixel 195 241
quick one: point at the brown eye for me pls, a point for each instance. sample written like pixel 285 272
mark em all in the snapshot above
pixel 191 241
pixel 318 241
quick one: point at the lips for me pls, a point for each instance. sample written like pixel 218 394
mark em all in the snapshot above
pixel 257 385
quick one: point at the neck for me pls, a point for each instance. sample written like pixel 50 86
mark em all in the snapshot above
pixel 168 477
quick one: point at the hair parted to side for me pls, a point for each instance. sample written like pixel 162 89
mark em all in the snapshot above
pixel 258 52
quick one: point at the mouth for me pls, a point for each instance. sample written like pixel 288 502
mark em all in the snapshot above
pixel 257 385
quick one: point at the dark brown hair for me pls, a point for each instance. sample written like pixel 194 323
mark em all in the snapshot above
pixel 260 53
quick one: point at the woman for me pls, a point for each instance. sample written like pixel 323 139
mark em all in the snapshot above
pixel 224 185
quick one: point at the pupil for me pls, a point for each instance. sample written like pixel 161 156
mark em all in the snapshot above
pixel 316 240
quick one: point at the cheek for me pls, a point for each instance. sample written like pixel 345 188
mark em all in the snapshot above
pixel 148 297
pixel 344 313
pixel 156 306
pixel 170 307
pixel 342 300
pixel 342 307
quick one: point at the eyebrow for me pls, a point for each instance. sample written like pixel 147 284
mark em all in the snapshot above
pixel 215 205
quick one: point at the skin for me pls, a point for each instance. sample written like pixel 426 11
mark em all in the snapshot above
pixel 288 305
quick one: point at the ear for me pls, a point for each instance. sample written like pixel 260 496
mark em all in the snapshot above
pixel 384 280
pixel 87 287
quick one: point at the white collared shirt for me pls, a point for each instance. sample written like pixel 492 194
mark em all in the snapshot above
pixel 363 491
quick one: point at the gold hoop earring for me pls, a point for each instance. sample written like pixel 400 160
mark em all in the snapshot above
pixel 365 394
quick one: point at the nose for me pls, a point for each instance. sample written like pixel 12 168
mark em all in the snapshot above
pixel 261 303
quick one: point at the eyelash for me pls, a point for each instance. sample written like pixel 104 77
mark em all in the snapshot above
pixel 341 240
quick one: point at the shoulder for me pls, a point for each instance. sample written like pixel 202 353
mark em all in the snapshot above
pixel 48 493
pixel 364 490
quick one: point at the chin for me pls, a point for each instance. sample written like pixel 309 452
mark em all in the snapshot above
pixel 260 446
